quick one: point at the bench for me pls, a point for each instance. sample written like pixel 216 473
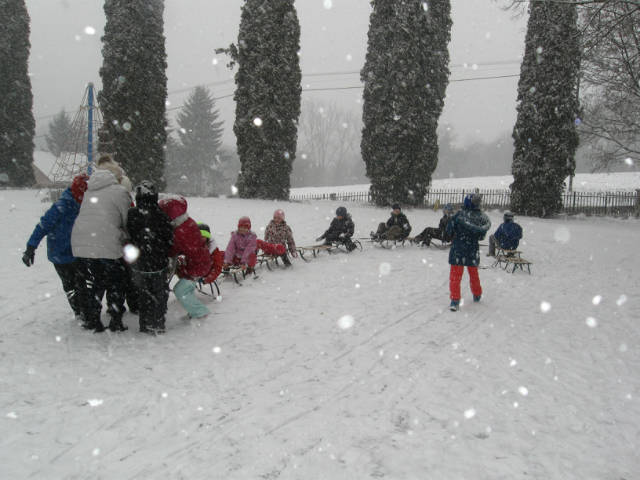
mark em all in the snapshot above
pixel 511 258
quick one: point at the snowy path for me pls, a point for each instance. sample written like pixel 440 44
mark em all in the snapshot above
pixel 270 386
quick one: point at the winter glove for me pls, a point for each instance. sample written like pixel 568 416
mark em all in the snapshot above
pixel 342 235
pixel 29 256
pixel 294 254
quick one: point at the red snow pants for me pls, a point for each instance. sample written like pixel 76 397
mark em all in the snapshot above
pixel 271 248
pixel 455 276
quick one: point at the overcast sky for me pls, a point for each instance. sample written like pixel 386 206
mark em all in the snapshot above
pixel 486 42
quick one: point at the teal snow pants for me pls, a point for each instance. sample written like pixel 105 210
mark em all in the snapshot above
pixel 185 291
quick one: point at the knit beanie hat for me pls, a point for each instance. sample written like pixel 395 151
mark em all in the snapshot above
pixel 279 214
pixel 244 222
pixel 79 186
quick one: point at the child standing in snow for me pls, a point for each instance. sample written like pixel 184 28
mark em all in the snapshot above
pixel 194 261
pixel 56 224
pixel 467 227
pixel 279 232
pixel 151 232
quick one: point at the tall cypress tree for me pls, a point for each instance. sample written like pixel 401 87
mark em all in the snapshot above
pixel 544 135
pixel 17 125
pixel 200 136
pixel 405 77
pixel 134 87
pixel 267 96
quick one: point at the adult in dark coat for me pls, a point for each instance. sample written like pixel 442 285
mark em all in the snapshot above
pixel 440 233
pixel 507 235
pixel 340 230
pixel 56 224
pixel 151 233
pixel 396 228
pixel 467 227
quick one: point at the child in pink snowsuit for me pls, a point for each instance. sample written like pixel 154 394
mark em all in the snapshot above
pixel 242 247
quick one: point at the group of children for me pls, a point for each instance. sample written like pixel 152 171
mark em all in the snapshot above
pixel 111 245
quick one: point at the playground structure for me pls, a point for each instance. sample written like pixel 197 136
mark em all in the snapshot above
pixel 78 153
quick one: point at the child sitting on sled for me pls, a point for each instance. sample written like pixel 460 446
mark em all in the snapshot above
pixel 242 249
pixel 217 255
pixel 278 232
pixel 340 230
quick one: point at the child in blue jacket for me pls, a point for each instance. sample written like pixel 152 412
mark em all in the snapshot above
pixel 507 235
pixel 56 224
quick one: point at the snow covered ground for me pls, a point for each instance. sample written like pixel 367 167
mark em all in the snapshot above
pixel 582 182
pixel 347 367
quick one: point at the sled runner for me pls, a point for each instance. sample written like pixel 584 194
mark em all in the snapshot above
pixel 268 260
pixel 506 259
pixel 332 247
pixel 202 288
pixel 386 243
pixel 314 249
pixel 237 273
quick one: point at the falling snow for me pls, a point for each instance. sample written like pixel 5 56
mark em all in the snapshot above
pixel 354 356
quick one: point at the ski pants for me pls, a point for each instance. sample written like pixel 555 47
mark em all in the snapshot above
pixel 346 241
pixel 455 276
pixel 153 294
pixel 73 284
pixel 428 233
pixel 104 274
pixel 131 290
pixel 185 291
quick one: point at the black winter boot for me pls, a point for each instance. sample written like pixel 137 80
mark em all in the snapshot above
pixel 116 325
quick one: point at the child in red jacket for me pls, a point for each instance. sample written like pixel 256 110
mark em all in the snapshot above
pixel 194 261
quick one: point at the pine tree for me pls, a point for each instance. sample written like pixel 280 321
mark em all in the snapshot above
pixel 405 77
pixel 60 135
pixel 200 136
pixel 267 96
pixel 134 86
pixel 545 137
pixel 17 125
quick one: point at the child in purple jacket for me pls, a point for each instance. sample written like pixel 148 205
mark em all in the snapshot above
pixel 242 247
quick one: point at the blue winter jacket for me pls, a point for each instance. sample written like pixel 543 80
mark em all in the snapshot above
pixel 56 225
pixel 508 235
pixel 467 227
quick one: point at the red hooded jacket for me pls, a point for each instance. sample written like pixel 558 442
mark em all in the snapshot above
pixel 187 239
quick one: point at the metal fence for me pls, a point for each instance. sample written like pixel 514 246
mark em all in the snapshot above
pixel 617 203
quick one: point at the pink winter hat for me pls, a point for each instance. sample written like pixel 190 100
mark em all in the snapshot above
pixel 244 222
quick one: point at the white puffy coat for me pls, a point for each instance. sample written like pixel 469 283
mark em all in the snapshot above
pixel 99 230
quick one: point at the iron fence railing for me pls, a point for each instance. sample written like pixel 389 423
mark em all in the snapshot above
pixel 615 203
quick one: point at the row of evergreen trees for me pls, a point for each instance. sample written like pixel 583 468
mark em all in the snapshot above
pixel 405 77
